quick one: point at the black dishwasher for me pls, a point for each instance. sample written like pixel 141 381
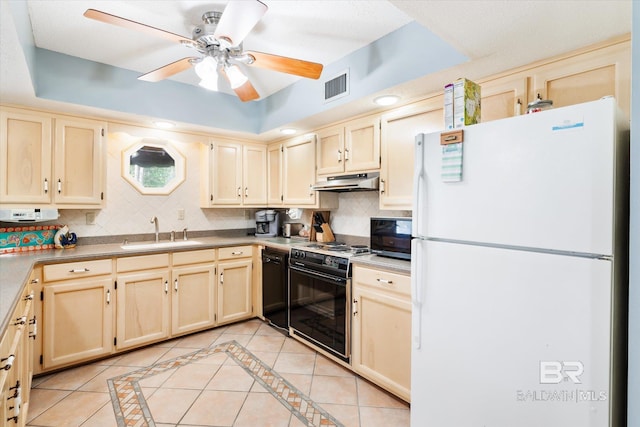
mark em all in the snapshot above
pixel 275 289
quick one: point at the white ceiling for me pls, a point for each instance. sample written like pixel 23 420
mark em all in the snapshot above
pixel 495 34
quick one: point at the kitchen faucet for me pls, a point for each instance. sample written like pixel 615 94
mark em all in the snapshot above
pixel 155 221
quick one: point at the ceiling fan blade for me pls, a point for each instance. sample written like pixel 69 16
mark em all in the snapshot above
pixel 238 18
pixel 168 70
pixel 283 64
pixel 133 25
pixel 246 92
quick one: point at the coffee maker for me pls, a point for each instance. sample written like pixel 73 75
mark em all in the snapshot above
pixel 267 223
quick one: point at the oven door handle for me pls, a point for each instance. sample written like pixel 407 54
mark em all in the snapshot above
pixel 312 273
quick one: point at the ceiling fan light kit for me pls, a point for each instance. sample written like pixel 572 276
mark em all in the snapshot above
pixel 219 40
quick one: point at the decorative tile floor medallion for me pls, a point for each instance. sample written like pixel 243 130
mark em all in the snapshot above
pixel 131 407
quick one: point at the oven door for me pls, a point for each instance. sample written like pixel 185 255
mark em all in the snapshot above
pixel 319 305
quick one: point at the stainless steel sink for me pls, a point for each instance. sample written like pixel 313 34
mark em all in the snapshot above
pixel 160 245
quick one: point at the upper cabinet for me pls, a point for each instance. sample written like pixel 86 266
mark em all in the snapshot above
pixel 234 175
pixel 399 129
pixel 275 153
pixel 351 147
pixel 503 97
pixel 51 160
pixel 299 171
pixel 586 77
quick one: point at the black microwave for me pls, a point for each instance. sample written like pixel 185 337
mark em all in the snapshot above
pixel 391 237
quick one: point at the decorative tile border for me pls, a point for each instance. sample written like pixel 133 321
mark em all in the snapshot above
pixel 131 408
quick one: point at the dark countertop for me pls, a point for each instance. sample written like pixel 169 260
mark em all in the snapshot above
pixel 16 267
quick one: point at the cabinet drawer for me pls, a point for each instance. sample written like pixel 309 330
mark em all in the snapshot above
pixel 194 257
pixel 382 279
pixel 235 252
pixel 76 270
pixel 144 262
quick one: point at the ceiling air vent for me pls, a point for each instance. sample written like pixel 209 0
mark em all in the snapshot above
pixel 336 87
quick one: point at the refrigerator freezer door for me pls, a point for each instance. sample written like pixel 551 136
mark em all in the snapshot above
pixel 511 338
pixel 543 180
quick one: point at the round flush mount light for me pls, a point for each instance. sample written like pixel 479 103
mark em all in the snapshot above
pixel 163 125
pixel 288 131
pixel 386 100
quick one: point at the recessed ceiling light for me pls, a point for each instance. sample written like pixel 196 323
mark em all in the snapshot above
pixel 386 100
pixel 163 125
pixel 288 131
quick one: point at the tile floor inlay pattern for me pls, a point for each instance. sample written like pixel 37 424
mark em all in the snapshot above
pixel 131 407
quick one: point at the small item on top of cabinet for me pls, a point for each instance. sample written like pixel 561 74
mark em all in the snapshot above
pixel 466 103
pixel 539 105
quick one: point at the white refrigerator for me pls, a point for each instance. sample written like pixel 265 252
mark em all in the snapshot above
pixel 519 272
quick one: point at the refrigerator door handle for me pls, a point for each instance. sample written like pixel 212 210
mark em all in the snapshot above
pixel 416 292
pixel 418 183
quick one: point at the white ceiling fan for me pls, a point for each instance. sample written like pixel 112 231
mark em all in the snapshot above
pixel 218 39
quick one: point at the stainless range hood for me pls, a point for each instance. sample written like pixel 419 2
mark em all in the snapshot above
pixel 355 182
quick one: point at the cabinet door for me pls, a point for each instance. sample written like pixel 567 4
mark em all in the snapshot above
pixel 25 158
pixel 143 308
pixel 274 174
pixel 299 171
pixel 234 290
pixel 331 152
pixel 362 145
pixel 193 300
pixel 79 162
pixel 226 174
pixel 587 77
pixel 381 328
pixel 254 170
pixel 503 97
pixel 399 129
pixel 78 321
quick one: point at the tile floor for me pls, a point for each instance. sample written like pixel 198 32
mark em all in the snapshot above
pixel 246 374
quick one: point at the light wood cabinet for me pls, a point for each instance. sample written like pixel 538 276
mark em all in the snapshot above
pixel 143 300
pixel 16 362
pixel 254 172
pixel 234 284
pixel 25 161
pixel 398 131
pixel 299 171
pixel 64 166
pixel 351 147
pixel 193 291
pixel 381 329
pixel 78 303
pixel 235 175
pixel 503 97
pixel 275 195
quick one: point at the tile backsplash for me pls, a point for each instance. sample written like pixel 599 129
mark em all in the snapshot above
pixel 129 212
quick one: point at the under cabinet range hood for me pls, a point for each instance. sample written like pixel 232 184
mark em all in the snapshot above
pixel 354 182
pixel 28 215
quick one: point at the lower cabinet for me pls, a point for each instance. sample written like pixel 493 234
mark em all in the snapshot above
pixel 143 302
pixel 77 312
pixel 193 291
pixel 16 368
pixel 234 284
pixel 381 329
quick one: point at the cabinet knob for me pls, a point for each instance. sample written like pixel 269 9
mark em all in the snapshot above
pixel 385 281
pixel 108 296
pixel 346 155
pixel 382 186
pixel 339 156
pixel 222 278
pixel 59 186
pixel 175 285
pixel 8 362
pixel 46 186
pixel 166 286
pixel 239 192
